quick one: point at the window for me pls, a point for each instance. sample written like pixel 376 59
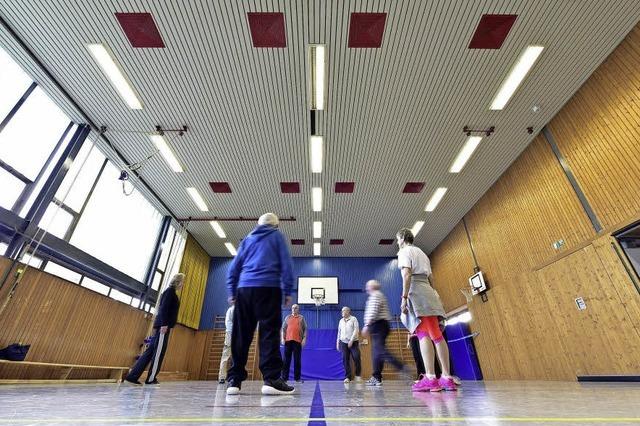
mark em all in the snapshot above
pixel 32 261
pixel 95 286
pixel 56 221
pixel 11 189
pixel 36 128
pixel 54 159
pixel 62 272
pixel 82 175
pixel 175 258
pixel 117 229
pixel 166 249
pixel 157 280
pixel 3 249
pixel 13 83
pixel 120 296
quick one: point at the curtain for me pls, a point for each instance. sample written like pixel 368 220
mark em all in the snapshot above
pixel 195 266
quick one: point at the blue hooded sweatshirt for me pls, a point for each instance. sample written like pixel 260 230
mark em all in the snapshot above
pixel 263 260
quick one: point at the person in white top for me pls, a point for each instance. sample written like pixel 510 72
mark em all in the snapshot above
pixel 422 309
pixel 226 349
pixel 347 343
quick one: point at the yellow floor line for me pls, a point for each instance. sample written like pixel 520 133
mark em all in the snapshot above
pixel 327 419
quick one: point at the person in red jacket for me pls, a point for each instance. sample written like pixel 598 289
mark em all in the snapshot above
pixel 165 320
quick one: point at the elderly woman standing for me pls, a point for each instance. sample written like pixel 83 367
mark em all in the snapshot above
pixel 165 320
pixel 422 307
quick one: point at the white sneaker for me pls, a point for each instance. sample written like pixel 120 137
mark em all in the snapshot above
pixel 346 380
pixel 358 379
pixel 233 390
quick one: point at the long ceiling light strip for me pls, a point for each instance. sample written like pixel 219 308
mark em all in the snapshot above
pixel 435 199
pixel 516 76
pixel 218 229
pixel 317 69
pixel 316 249
pixel 316 197
pixel 316 153
pixel 231 249
pixel 417 227
pixel 167 153
pixel 317 229
pixel 465 153
pixel 197 199
pixel 115 75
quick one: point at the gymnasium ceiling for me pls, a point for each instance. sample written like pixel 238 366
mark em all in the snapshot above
pixel 393 114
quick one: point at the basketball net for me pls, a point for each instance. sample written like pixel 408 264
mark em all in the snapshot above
pixel 319 300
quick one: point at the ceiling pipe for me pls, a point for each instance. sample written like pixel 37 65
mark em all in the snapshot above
pixel 230 219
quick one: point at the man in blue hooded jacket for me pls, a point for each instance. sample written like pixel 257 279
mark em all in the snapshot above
pixel 258 278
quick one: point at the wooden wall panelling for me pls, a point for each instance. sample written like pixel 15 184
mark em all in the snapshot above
pixel 598 132
pixel 619 270
pixel 452 266
pixel 514 225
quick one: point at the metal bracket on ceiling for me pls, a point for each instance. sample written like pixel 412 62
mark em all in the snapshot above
pixel 487 132
pixel 180 132
pixel 231 219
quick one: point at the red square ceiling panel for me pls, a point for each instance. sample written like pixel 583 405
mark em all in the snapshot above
pixel 492 31
pixel 220 187
pixel 336 241
pixel 297 242
pixel 413 188
pixel 366 30
pixel 385 242
pixel 267 29
pixel 344 187
pixel 140 29
pixel 290 187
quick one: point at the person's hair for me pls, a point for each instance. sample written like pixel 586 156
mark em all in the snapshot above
pixel 347 308
pixel 269 219
pixel 177 278
pixel 374 284
pixel 406 235
pixel 295 305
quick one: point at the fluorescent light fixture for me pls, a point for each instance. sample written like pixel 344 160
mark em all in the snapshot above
pixel 316 196
pixel 197 198
pixel 231 249
pixel 465 153
pixel 316 249
pixel 316 154
pixel 518 73
pixel 167 153
pixel 417 227
pixel 114 73
pixel 435 199
pixel 317 229
pixel 317 68
pixel 218 229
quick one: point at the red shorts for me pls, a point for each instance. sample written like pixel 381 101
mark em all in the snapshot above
pixel 429 326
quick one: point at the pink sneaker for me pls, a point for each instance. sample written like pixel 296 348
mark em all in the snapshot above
pixel 447 384
pixel 427 385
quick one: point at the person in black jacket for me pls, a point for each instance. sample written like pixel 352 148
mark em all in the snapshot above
pixel 165 320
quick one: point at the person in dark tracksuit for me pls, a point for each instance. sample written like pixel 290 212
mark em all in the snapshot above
pixel 165 320
pixel 259 276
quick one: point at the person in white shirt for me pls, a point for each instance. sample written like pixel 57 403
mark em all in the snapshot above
pixel 347 343
pixel 422 310
pixel 226 349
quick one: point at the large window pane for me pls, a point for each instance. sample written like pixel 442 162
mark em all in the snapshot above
pixel 86 176
pixel 47 172
pixel 118 229
pixel 157 281
pixel 175 259
pixel 33 261
pixel 10 189
pixel 95 286
pixel 56 221
pixel 13 83
pixel 3 249
pixel 62 272
pixel 120 296
pixel 31 135
pixel 166 249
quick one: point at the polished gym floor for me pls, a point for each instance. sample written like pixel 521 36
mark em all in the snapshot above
pixel 318 403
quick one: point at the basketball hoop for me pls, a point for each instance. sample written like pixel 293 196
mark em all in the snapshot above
pixel 318 300
pixel 467 293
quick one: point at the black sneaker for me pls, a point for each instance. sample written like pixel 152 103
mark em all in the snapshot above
pixel 133 382
pixel 155 382
pixel 276 387
pixel 300 381
pixel 222 381
pixel 233 387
